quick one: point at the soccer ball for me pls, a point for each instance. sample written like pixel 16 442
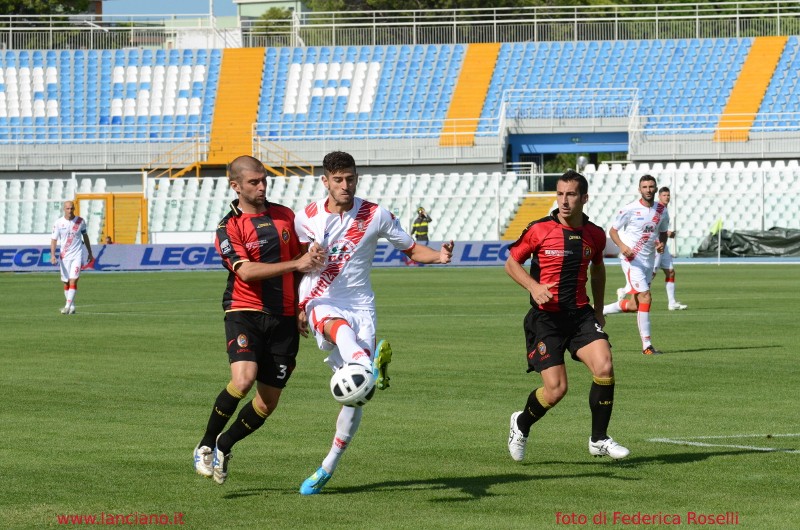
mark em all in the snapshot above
pixel 353 385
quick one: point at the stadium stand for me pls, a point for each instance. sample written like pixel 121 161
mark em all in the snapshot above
pixel 86 96
pixel 675 98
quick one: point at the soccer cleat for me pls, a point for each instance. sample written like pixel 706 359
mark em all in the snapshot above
pixel 607 447
pixel 220 465
pixel 381 364
pixel 204 461
pixel 65 310
pixel 71 310
pixel 651 350
pixel 516 440
pixel 314 484
pixel 677 306
pixel 621 293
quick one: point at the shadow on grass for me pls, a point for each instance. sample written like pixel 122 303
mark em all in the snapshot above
pixel 475 487
pixel 664 459
pixel 717 348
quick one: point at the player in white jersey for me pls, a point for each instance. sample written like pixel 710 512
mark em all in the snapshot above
pixel 664 260
pixel 69 233
pixel 337 303
pixel 640 231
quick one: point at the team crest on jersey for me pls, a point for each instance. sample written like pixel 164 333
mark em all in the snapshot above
pixel 340 250
pixel 285 235
pixel 362 227
pixel 241 340
pixel 587 251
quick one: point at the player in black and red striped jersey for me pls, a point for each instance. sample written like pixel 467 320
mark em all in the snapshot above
pixel 563 247
pixel 259 247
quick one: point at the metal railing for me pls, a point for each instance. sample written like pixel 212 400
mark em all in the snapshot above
pixel 541 23
pixel 438 26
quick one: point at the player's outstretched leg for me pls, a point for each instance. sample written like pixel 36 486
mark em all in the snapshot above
pixel 381 364
pixel 314 484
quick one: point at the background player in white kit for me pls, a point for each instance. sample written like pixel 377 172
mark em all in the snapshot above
pixel 640 231
pixel 664 260
pixel 338 302
pixel 69 233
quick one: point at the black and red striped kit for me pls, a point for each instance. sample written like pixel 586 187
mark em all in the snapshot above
pixel 267 237
pixel 560 255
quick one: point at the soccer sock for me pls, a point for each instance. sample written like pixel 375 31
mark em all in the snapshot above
pixel 249 420
pixel 643 320
pixel 224 407
pixel 670 285
pixel 616 307
pixel 66 293
pixel 601 401
pixel 534 410
pixel 346 426
pixel 71 295
pixel 345 339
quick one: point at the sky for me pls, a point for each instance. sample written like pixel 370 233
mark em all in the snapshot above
pixel 222 8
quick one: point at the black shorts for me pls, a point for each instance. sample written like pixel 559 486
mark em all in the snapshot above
pixel 549 334
pixel 268 340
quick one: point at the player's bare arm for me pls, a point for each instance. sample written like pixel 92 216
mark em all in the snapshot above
pixel 53 259
pixel 88 246
pixel 597 272
pixel 623 248
pixel 302 323
pixel 539 291
pixel 249 271
pixel 423 254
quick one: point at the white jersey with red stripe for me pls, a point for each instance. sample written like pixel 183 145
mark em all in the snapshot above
pixel 68 234
pixel 350 241
pixel 638 226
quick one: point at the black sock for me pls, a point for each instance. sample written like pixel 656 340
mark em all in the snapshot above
pixel 224 407
pixel 533 411
pixel 601 401
pixel 249 420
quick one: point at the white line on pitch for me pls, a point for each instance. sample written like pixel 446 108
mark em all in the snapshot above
pixel 743 436
pixel 732 446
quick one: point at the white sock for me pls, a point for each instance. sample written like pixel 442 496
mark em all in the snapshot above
pixel 351 351
pixel 71 296
pixel 346 427
pixel 610 309
pixel 671 292
pixel 643 320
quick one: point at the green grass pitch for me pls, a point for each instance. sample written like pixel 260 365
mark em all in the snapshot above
pixel 100 411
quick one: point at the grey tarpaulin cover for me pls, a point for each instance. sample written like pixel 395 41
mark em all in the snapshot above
pixel 744 243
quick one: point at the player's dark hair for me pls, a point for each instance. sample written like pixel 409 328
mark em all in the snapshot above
pixel 338 161
pixel 664 189
pixel 573 176
pixel 646 178
pixel 241 164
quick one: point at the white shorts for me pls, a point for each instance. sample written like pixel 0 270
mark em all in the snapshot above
pixel 363 322
pixel 70 268
pixel 663 260
pixel 637 277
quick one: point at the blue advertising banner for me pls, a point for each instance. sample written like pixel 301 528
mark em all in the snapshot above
pixel 205 257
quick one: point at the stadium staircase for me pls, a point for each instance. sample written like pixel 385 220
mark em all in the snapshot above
pixel 127 218
pixel 237 105
pixel 534 206
pixel 463 116
pixel 749 90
